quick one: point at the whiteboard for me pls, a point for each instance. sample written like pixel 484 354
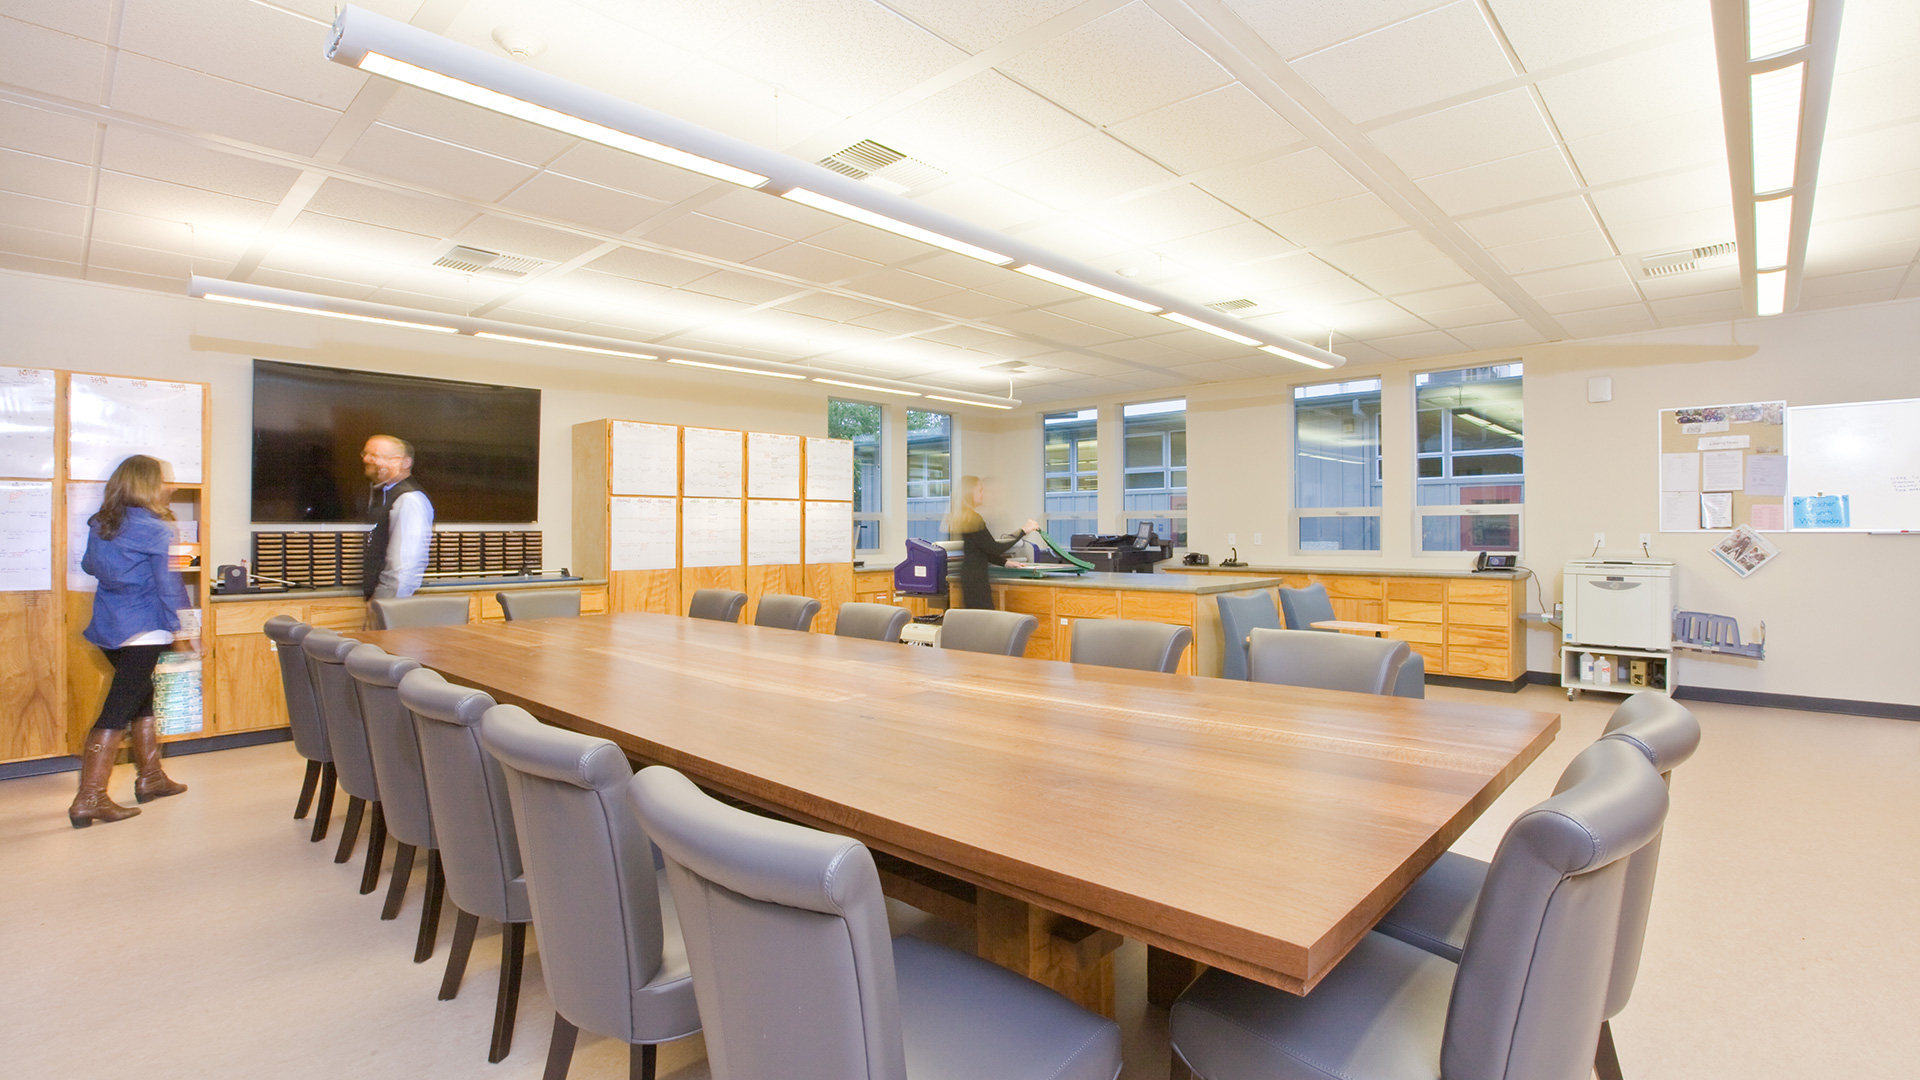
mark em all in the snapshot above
pixel 773 466
pixel 642 533
pixel 646 459
pixel 713 464
pixel 710 532
pixel 83 501
pixel 830 469
pixel 110 418
pixel 26 536
pixel 1855 467
pixel 773 532
pixel 26 422
pixel 829 532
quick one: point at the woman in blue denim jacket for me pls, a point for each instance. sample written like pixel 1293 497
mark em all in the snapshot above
pixel 135 613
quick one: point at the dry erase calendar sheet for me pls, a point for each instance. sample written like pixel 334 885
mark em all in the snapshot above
pixel 773 532
pixel 111 418
pixel 646 459
pixel 709 532
pixel 26 536
pixel 714 464
pixel 642 533
pixel 1723 466
pixel 773 466
pixel 83 501
pixel 830 469
pixel 829 532
pixel 26 422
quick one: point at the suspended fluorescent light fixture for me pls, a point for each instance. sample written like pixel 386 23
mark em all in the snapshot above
pixel 732 367
pixel 1775 26
pixel 1298 358
pixel 869 386
pixel 964 401
pixel 1205 327
pixel 229 297
pixel 565 345
pixel 1772 231
pixel 1077 285
pixel 893 225
pixel 1775 97
pixel 1770 292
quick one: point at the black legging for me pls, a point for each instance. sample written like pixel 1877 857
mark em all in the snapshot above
pixel 131 695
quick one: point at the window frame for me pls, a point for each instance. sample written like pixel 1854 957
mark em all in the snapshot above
pixel 913 518
pixel 878 491
pixel 1375 462
pixel 1175 514
pixel 1083 478
pixel 1447 455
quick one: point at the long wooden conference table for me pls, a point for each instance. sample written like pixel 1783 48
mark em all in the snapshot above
pixel 1261 829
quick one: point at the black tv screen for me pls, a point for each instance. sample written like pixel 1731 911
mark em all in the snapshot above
pixel 476 447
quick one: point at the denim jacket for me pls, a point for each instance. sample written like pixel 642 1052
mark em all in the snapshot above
pixel 137 591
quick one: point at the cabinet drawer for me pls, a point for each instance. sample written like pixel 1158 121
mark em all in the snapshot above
pixel 1476 638
pixel 1025 599
pixel 1419 635
pixel 1344 587
pixel 1086 603
pixel 593 601
pixel 1416 589
pixel 1479 615
pixel 1433 654
pixel 1040 646
pixel 1466 590
pixel 1478 663
pixel 338 614
pixel 872 580
pixel 1414 611
pixel 250 618
pixel 1157 607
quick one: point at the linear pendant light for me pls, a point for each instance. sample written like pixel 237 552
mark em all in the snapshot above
pixel 733 368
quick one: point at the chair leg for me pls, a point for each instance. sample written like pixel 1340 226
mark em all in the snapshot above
pixel 513 953
pixel 464 928
pixel 401 878
pixel 430 911
pixel 307 787
pixel 1178 1070
pixel 376 850
pixel 560 1049
pixel 349 832
pixel 641 1059
pixel 323 813
pixel 1606 1060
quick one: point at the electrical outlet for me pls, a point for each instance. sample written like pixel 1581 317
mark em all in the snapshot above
pixel 1599 540
pixel 1646 541
pixel 1256 539
pixel 1232 538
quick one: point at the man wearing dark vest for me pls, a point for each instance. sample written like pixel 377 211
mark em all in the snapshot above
pixel 402 519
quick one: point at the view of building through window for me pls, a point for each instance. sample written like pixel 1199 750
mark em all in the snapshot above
pixel 1071 463
pixel 1336 466
pixel 929 473
pixel 860 422
pixel 1155 463
pixel 1469 462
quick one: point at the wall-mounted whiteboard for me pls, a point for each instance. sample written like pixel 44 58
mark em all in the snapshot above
pixel 773 466
pixel 710 531
pixel 26 536
pixel 830 469
pixel 643 533
pixel 26 422
pixel 714 461
pixel 829 532
pixel 773 532
pixel 1856 467
pixel 111 418
pixel 83 501
pixel 645 458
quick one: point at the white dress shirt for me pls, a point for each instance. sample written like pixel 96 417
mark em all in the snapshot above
pixel 410 521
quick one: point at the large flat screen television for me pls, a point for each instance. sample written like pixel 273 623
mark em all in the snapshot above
pixel 476 447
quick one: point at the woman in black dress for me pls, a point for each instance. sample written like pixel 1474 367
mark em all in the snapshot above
pixel 979 549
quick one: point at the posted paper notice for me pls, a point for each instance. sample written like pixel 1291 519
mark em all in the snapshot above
pixel 1679 511
pixel 1716 511
pixel 1722 470
pixel 1679 472
pixel 1767 475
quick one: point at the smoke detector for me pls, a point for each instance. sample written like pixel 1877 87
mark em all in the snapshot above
pixel 518 43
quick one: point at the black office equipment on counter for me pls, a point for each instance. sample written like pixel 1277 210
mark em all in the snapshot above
pixel 1122 554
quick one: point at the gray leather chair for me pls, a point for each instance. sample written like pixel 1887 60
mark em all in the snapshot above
pixel 1525 1001
pixel 1305 606
pixel 610 947
pixel 1437 912
pixel 1240 616
pixel 401 612
pixel 875 622
pixel 787 934
pixel 981 630
pixel 539 603
pixel 403 785
pixel 347 734
pixel 1325 661
pixel 1411 679
pixel 720 605
pixel 473 823
pixel 1125 643
pixel 303 715
pixel 786 612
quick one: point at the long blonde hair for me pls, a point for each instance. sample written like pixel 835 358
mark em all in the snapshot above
pixel 965 516
pixel 138 481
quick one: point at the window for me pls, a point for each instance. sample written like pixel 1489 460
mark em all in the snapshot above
pixel 860 422
pixel 929 473
pixel 1336 466
pixel 1071 464
pixel 1154 435
pixel 1469 464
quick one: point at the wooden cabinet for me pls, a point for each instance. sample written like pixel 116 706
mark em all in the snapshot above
pixel 1059 608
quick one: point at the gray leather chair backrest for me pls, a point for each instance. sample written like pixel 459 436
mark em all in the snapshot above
pixel 1240 616
pixel 875 622
pixel 401 612
pixel 1411 679
pixel 980 630
pixel 539 603
pixel 479 847
pixel 1125 643
pixel 596 903
pixel 786 612
pixel 786 931
pixel 1305 606
pixel 1527 1000
pixel 1325 661
pixel 296 682
pixel 391 739
pixel 720 605
pixel 1667 733
pixel 340 707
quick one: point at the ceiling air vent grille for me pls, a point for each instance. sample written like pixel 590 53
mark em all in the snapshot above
pixel 1013 367
pixel 882 166
pixel 1681 262
pixel 1233 305
pixel 469 260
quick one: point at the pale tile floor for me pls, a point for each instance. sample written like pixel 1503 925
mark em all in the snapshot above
pixel 207 938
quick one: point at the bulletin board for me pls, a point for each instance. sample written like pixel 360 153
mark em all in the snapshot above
pixel 1722 466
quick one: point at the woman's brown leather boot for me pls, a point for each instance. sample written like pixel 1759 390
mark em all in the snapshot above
pixel 152 782
pixel 96 765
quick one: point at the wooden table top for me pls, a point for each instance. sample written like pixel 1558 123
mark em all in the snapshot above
pixel 1262 829
pixel 1374 628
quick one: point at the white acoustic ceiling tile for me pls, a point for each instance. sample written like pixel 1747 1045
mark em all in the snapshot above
pixel 1544 32
pixel 1559 217
pixel 871 244
pixel 961 337
pixel 1450 50
pixel 1883 282
pixel 981 202
pixel 473 127
pixel 1628 153
pixel 154 198
pixel 1874 195
pixel 1429 302
pixel 1211 371
pixel 1303 26
pixel 1700 307
pixel 510 237
pixel 1606 296
pixel 177 161
pixel 1120 320
pixel 1597 275
pixel 1359 354
pixel 245 42
pixel 703 235
pixel 650 267
pixel 333 264
pixel 40 244
pixel 1484 130
pixel 1154 380
pixel 1470 316
pixel 1209 130
pixel 811 263
pixel 139 260
pixel 830 306
pixel 1624 319
pixel 781 217
pixel 1089 169
pixel 1696 189
pixel 960 270
pixel 1235 244
pixel 1164 215
pixel 175 95
pixel 1712 279
pixel 359 239
pixel 616 169
pixel 392 209
pixel 901 287
pixel 1410 277
pixel 1553 252
pixel 978 24
pixel 1005 347
pixel 1834 238
pixel 1394 249
pixel 1374 318
pixel 1313 301
pixel 1498 335
pixel 1077 239
pixel 90 19
pixel 1634 90
pixel 1287 272
pixel 1123 64
pixel 1654 236
pixel 970 305
pixel 1878 31
pixel 810 50
pixel 1082 364
pixel 132 280
pixel 1864 154
pixel 1840 300
pixel 1417 346
pixel 743 288
pixel 434 165
pixel 47 133
pixel 1050 327
pixel 562 198
pixel 31 212
pixel 1870 96
pixel 978 125
pixel 712 93
pixel 45 61
pixel 1303 178
pixel 1518 179
pixel 1331 223
pixel 276 278
pixel 901 322
pixel 44 177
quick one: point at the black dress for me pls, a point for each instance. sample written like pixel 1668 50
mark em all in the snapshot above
pixel 979 550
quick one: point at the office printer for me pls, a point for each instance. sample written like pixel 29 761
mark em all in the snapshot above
pixel 1123 554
